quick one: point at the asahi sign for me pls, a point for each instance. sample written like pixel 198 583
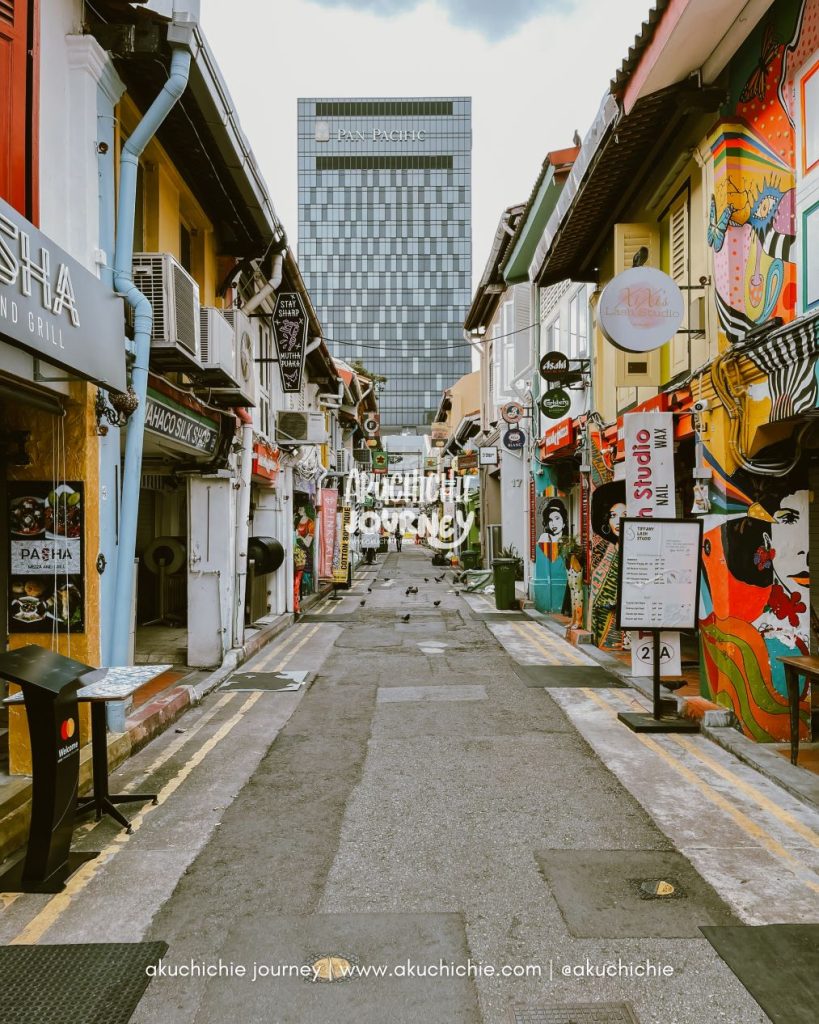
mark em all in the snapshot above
pixel 54 308
pixel 290 333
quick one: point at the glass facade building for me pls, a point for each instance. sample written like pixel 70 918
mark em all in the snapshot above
pixel 385 240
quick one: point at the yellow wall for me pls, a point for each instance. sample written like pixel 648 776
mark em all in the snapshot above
pixel 168 203
pixel 76 459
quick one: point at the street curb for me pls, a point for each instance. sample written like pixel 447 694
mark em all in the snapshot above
pixel 717 724
pixel 143 725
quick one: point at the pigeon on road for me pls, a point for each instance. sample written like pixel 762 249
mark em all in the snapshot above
pixel 363 602
pixel 436 603
pixel 405 618
pixel 426 579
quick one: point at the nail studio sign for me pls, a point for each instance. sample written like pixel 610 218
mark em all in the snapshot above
pixel 52 307
pixel 641 309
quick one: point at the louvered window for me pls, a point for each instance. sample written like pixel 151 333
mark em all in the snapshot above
pixel 678 257
pixel 7 11
pixel 633 372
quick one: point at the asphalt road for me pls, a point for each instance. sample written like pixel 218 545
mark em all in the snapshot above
pixel 420 811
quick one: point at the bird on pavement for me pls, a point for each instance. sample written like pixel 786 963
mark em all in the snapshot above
pixel 426 579
pixel 369 590
pixel 457 593
pixel 439 579
pixel 363 602
pixel 436 603
pixel 405 618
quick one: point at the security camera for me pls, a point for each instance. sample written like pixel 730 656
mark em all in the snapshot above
pixel 702 405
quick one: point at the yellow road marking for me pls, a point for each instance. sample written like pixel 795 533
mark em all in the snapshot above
pixel 280 648
pixel 748 825
pixel 59 903
pixel 553 648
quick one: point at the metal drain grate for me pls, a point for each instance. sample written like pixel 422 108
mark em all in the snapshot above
pixel 84 983
pixel 271 681
pixel 574 1013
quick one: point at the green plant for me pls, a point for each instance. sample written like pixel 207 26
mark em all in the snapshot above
pixel 570 547
pixel 512 553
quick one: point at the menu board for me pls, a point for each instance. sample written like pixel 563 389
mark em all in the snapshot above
pixel 46 586
pixel 659 573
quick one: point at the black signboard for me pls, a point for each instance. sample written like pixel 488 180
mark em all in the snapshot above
pixel 46 557
pixel 188 429
pixel 555 404
pixel 290 333
pixel 514 439
pixel 554 367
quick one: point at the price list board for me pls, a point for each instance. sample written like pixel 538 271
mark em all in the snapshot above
pixel 659 573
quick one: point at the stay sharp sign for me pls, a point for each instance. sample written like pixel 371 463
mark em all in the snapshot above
pixel 648 439
pixel 290 334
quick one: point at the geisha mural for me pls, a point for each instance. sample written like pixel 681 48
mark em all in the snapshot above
pixel 552 522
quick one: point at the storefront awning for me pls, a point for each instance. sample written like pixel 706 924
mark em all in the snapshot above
pixel 559 441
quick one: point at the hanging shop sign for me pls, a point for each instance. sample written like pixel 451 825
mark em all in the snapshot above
pixel 648 444
pixel 371 423
pixel 290 334
pixel 46 557
pixel 512 412
pixel 439 434
pixel 327 530
pixel 265 461
pixel 554 367
pixel 381 462
pixel 555 403
pixel 54 308
pixel 187 429
pixel 431 464
pixel 659 573
pixel 561 435
pixel 514 439
pixel 467 461
pixel 641 309
pixel 488 456
pixel 341 545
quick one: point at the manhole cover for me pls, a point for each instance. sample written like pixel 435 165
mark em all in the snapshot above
pixel 270 681
pixel 327 967
pixel 575 1013
pixel 658 888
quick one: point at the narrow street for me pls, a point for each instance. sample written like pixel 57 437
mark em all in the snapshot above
pixel 420 803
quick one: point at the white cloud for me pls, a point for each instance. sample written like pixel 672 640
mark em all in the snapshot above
pixel 530 90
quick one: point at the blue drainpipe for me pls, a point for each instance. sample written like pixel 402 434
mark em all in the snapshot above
pixel 143 324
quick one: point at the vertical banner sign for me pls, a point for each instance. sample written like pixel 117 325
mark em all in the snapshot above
pixel 585 517
pixel 341 552
pixel 532 521
pixel 46 581
pixel 329 507
pixel 648 438
pixel 290 333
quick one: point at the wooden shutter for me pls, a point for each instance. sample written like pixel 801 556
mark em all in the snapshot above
pixel 18 104
pixel 635 370
pixel 522 321
pixel 678 270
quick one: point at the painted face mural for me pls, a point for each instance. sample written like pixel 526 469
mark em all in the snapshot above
pixel 608 506
pixel 550 570
pixel 555 521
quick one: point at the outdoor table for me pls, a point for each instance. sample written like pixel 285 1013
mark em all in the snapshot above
pixel 107 684
pixel 794 668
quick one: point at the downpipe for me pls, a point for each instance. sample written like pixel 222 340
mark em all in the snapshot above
pixel 243 526
pixel 143 324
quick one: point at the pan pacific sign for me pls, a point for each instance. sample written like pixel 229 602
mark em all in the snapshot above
pixel 55 309
pixel 323 133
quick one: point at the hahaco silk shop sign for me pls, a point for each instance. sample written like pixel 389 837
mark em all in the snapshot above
pixel 648 440
pixel 54 308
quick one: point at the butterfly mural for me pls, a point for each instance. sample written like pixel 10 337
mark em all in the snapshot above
pixel 755 86
pixel 717 228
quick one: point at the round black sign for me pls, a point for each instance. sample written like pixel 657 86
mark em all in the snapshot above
pixel 554 367
pixel 555 404
pixel 514 439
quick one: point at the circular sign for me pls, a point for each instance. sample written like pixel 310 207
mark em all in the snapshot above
pixel 641 309
pixel 514 439
pixel 554 367
pixel 555 404
pixel 512 412
pixel 371 425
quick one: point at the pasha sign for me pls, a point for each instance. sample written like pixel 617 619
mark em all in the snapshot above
pixel 641 309
pixel 54 308
pixel 290 333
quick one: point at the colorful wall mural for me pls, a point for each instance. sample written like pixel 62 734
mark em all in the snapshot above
pixel 553 527
pixel 608 506
pixel 304 526
pixel 755 597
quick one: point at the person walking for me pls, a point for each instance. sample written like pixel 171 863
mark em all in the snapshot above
pixel 399 537
pixel 369 545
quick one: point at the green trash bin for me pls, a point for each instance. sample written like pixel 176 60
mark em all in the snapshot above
pixel 503 571
pixel 471 559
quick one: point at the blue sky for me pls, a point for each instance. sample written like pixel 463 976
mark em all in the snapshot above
pixel 536 70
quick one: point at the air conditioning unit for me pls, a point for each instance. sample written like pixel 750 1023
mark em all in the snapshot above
pixel 174 297
pixel 294 428
pixel 343 461
pixel 247 380
pixel 217 349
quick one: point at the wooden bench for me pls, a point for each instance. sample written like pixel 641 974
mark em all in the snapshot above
pixel 794 668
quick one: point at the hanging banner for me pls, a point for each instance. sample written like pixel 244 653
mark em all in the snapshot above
pixel 290 334
pixel 327 526
pixel 46 578
pixel 648 440
pixel 341 548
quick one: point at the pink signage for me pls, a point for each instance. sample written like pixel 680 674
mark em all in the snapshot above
pixel 327 522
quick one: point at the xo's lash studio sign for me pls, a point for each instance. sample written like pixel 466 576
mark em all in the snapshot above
pixel 54 308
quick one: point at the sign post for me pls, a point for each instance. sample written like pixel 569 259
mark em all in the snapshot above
pixel 290 333
pixel 659 590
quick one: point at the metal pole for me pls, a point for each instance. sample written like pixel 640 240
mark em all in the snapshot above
pixel 656 659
